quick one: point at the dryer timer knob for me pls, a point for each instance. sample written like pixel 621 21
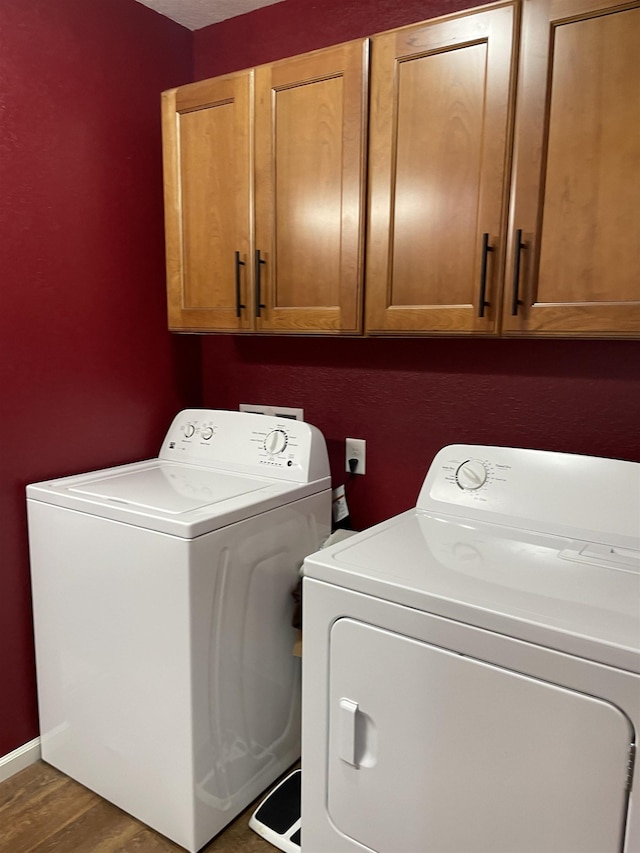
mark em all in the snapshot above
pixel 471 475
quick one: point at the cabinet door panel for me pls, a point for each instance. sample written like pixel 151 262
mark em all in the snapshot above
pixel 440 119
pixel 308 194
pixel 434 233
pixel 208 203
pixel 577 169
pixel 310 125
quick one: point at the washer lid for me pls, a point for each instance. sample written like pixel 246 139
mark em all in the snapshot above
pixel 576 597
pixel 168 487
pixel 172 497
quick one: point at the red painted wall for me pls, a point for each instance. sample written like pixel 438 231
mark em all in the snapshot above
pixel 408 398
pixel 89 375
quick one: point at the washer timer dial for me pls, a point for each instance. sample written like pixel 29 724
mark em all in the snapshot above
pixel 276 441
pixel 471 475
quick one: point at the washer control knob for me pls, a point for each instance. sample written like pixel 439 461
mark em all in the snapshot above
pixel 471 475
pixel 276 441
pixel 207 433
pixel 189 430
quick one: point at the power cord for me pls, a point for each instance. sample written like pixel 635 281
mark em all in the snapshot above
pixel 345 523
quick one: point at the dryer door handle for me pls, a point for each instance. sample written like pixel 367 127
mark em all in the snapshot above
pixel 347 731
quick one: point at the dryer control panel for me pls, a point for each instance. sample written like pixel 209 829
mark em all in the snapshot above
pixel 247 443
pixel 564 493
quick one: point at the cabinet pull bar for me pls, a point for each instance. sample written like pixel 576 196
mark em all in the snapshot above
pixel 259 304
pixel 239 305
pixel 516 273
pixel 486 248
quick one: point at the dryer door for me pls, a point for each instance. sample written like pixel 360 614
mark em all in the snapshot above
pixel 436 752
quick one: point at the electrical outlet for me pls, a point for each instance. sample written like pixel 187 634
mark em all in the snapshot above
pixel 356 448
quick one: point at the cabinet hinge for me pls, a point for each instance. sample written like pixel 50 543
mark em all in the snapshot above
pixel 631 760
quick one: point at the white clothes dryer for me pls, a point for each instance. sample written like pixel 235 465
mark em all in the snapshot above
pixel 471 669
pixel 162 609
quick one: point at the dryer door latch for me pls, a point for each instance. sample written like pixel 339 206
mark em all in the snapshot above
pixel 347 731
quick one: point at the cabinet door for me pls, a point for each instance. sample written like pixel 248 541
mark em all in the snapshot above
pixel 309 137
pixel 576 204
pixel 438 164
pixel 207 174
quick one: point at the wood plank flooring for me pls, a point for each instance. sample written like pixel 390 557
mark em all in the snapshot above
pixel 44 811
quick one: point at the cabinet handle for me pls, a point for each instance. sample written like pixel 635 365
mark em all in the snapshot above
pixel 486 248
pixel 259 304
pixel 239 305
pixel 516 272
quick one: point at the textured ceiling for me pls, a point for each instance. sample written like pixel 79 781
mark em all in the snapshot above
pixel 195 14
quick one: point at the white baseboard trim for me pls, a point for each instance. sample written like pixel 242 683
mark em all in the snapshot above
pixel 20 758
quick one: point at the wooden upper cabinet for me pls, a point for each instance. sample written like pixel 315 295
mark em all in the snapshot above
pixel 438 171
pixel 494 205
pixel 208 203
pixel 310 126
pixel 264 196
pixel 575 213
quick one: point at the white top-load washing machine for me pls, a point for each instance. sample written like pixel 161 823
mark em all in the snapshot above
pixel 162 607
pixel 471 667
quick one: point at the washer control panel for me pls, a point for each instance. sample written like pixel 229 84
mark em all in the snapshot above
pixel 247 443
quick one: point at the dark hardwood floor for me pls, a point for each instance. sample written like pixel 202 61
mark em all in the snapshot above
pixel 43 810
